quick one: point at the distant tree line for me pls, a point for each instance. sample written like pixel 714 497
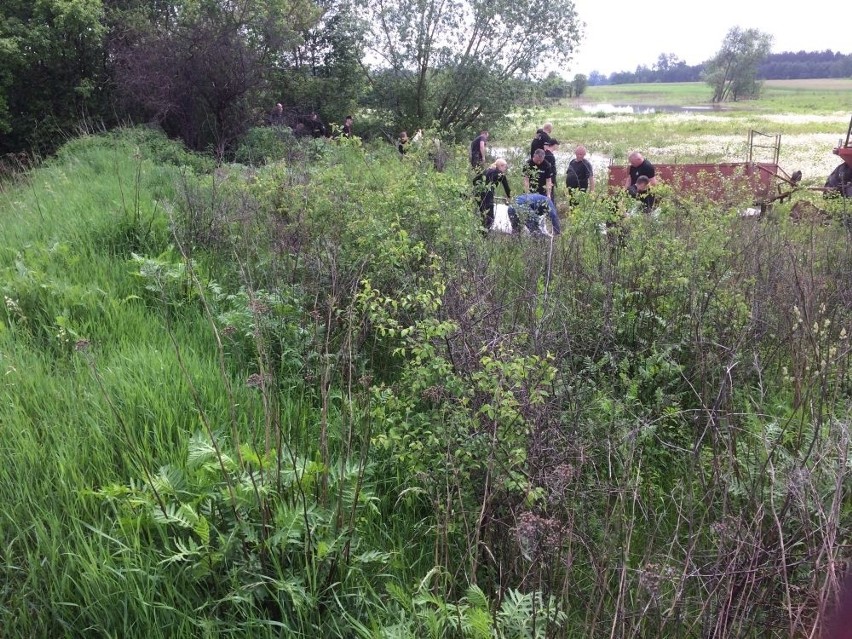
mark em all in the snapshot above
pixel 805 64
pixel 776 66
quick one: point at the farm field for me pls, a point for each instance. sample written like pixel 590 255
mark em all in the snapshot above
pixel 830 94
pixel 809 115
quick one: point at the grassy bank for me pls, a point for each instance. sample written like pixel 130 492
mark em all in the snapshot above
pixel 309 399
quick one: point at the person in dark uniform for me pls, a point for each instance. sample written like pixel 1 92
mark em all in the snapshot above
pixel 579 176
pixel 639 166
pixel 549 147
pixel 641 192
pixel 347 127
pixel 477 151
pixel 484 186
pixel 538 174
pixel 839 182
pixel 315 126
pixel 541 136
pixel 402 143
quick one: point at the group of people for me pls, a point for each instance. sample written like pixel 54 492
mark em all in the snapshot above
pixel 311 125
pixel 540 178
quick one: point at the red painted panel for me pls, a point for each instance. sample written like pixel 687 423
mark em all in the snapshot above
pixel 718 181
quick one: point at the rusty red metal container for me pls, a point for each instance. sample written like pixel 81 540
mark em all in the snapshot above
pixel 714 181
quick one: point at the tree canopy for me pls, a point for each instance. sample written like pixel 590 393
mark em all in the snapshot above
pixel 732 73
pixel 448 62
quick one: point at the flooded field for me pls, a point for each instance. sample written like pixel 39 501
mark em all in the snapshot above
pixel 691 134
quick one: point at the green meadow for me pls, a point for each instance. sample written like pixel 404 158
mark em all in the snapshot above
pixel 779 96
pixel 810 116
pixel 306 397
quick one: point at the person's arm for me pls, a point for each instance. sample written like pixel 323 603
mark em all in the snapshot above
pixel 551 207
pixel 548 187
pixel 626 182
pixel 591 176
pixel 652 179
pixel 505 182
pixel 482 150
pixel 526 183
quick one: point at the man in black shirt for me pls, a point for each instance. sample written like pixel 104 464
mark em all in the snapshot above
pixel 579 176
pixel 639 166
pixel 315 126
pixel 402 143
pixel 641 192
pixel 549 147
pixel 542 135
pixel 538 175
pixel 347 127
pixel 485 184
pixel 839 182
pixel 477 151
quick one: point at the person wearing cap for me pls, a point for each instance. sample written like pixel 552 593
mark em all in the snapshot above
pixel 579 176
pixel 550 145
pixel 541 136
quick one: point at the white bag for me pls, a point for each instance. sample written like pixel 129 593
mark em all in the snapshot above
pixel 501 219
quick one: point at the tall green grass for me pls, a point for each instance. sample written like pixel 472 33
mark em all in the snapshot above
pixel 310 399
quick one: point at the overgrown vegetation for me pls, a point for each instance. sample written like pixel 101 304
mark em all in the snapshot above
pixel 308 399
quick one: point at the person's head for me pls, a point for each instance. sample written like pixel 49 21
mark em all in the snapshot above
pixel 635 158
pixel 580 152
pixel 538 156
pixel 348 119
pixel 403 136
pixel 279 108
pixel 642 183
pixel 484 133
pixel 501 165
pixel 314 116
pixel 547 127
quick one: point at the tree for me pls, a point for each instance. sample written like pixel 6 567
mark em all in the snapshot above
pixel 200 69
pixel 52 70
pixel 732 73
pixel 555 86
pixel 579 84
pixel 323 71
pixel 449 62
pixel 596 78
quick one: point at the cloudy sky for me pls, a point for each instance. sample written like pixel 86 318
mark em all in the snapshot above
pixel 621 34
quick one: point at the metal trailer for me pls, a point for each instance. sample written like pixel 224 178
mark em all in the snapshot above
pixel 763 182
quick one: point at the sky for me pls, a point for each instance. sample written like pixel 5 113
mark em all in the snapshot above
pixel 620 34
